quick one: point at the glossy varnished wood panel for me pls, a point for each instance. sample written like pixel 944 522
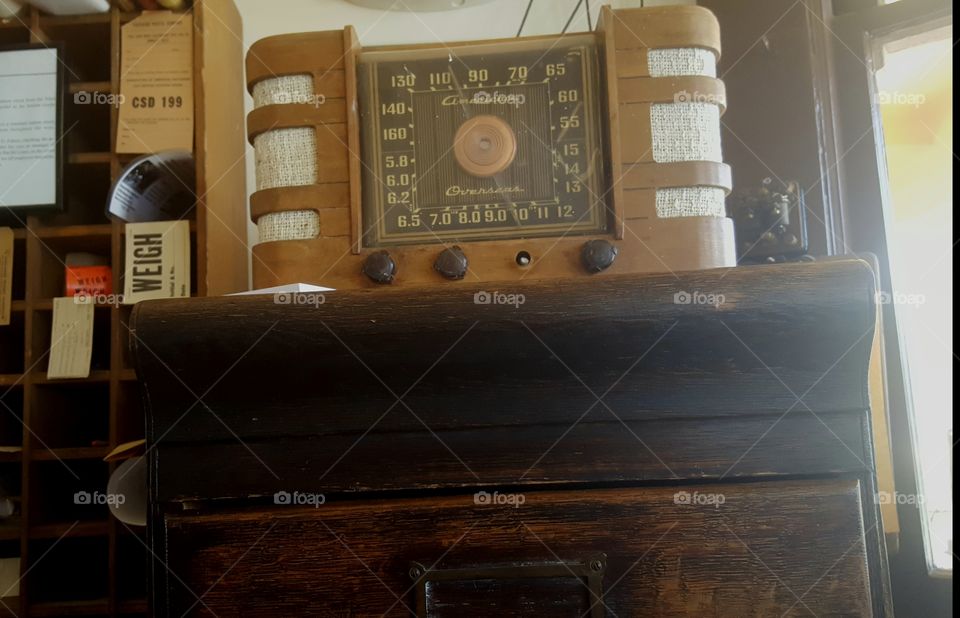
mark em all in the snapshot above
pixel 393 403
pixel 769 549
pixel 459 364
pixel 590 451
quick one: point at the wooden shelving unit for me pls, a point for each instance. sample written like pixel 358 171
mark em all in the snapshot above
pixel 76 560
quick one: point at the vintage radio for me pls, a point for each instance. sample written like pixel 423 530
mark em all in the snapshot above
pixel 537 157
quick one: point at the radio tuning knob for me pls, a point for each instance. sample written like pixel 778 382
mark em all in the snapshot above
pixel 380 267
pixel 451 263
pixel 598 255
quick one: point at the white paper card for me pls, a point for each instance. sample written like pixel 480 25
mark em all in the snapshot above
pixel 156 83
pixel 71 339
pixel 157 261
pixel 285 289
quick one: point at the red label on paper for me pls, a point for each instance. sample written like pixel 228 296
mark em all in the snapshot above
pixel 89 280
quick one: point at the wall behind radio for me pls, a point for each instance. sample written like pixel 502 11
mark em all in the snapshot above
pixel 492 20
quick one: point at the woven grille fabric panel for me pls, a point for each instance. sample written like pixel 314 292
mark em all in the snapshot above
pixel 682 61
pixel 691 202
pixel 292 225
pixel 284 90
pixel 286 158
pixel 685 132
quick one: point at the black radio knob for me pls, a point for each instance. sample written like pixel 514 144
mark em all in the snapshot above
pixel 380 267
pixel 598 255
pixel 451 263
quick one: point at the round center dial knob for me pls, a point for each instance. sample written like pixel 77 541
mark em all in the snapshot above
pixel 484 145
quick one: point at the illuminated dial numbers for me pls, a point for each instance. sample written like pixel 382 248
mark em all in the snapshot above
pixel 424 179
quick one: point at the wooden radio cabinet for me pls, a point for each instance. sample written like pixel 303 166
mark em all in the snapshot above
pixel 663 445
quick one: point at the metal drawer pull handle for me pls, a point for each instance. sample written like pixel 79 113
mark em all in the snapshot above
pixel 592 569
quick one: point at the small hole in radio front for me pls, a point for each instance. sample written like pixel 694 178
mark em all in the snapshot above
pixel 524 259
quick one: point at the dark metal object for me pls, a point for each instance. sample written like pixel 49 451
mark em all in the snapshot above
pixel 591 568
pixel 524 20
pixel 451 263
pixel 598 255
pixel 380 267
pixel 572 15
pixel 770 225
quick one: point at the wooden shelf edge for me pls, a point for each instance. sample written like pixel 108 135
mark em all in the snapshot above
pixel 69 530
pixel 132 606
pixel 10 529
pixel 95 377
pixel 90 158
pixel 9 457
pixel 11 379
pixel 88 607
pixel 70 453
pixel 102 87
pixel 90 19
pixel 46 304
pixel 75 231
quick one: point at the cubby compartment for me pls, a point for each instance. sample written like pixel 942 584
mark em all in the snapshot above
pixel 11 420
pixel 71 415
pixel 9 573
pixel 130 414
pixel 10 478
pixel 73 495
pixel 11 345
pixel 42 332
pixel 132 564
pixel 54 250
pixel 12 32
pixel 68 570
pixel 86 47
pixel 10 507
pixel 87 115
pixel 85 191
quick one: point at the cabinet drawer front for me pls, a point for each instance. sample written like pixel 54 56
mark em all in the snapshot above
pixel 751 549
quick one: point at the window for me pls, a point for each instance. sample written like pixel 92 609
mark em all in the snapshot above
pixel 913 95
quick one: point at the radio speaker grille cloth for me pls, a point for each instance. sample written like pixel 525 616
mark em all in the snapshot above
pixel 283 90
pixel 686 131
pixel 681 61
pixel 682 131
pixel 292 225
pixel 286 158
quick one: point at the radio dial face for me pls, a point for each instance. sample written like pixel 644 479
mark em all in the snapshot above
pixel 493 141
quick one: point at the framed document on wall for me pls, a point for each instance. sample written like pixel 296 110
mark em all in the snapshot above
pixel 31 125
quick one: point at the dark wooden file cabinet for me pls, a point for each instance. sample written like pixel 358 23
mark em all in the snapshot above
pixel 696 444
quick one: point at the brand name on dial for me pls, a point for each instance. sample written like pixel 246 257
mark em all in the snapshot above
pixel 457 190
pixel 486 98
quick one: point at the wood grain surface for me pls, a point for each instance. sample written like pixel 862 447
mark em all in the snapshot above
pixel 769 549
pixel 597 400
